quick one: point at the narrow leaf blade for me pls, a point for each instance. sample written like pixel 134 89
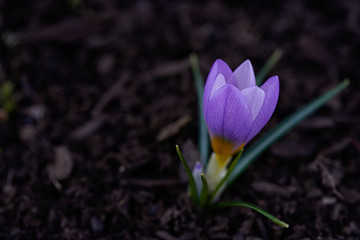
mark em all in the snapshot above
pixel 204 144
pixel 269 65
pixel 282 128
pixel 192 184
pixel 253 207
pixel 204 192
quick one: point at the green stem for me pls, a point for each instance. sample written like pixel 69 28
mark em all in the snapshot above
pixel 214 194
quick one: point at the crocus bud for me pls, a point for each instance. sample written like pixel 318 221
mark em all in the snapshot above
pixel 197 171
pixel 235 109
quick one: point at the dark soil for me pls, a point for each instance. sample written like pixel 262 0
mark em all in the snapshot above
pixel 104 92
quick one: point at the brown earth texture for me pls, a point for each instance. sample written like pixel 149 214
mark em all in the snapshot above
pixel 104 91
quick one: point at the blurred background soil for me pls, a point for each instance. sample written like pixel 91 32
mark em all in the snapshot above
pixel 103 92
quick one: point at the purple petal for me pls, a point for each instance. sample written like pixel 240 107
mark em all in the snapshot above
pixel 255 98
pixel 271 88
pixel 219 82
pixel 219 67
pixel 243 76
pixel 228 115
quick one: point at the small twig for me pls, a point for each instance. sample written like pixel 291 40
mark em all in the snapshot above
pixel 112 92
pixel 325 171
pixel 329 177
pixel 151 183
pixel 88 128
pixel 52 177
pixel 169 69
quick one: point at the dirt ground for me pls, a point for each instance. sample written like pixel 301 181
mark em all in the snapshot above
pixel 104 92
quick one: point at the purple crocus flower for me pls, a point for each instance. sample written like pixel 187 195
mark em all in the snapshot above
pixel 235 109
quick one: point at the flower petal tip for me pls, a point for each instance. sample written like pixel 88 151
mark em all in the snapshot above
pixel 243 76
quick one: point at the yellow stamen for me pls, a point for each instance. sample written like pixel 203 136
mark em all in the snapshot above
pixel 223 149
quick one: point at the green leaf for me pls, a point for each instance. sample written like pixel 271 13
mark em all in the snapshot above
pixel 74 4
pixel 269 65
pixel 9 106
pixel 253 207
pixel 6 92
pixel 192 184
pixel 216 192
pixel 204 144
pixel 282 128
pixel 204 192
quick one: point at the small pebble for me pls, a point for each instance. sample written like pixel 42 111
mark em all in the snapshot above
pixel 96 225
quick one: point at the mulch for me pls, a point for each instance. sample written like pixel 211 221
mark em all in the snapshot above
pixel 104 91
